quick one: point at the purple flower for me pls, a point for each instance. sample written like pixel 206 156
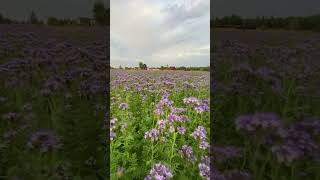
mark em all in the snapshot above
pixel 286 153
pixel 123 106
pixel 177 110
pixel 113 123
pixel 162 124
pixel 204 167
pixel 45 140
pixel 191 101
pixel 204 144
pixel 181 130
pixel 112 135
pixel 152 134
pixel 200 133
pixel 222 154
pixel 311 125
pixel 177 118
pixel 187 152
pixel 258 121
pixel 164 102
pixel 296 144
pixel 159 172
pixel 203 107
pixel 204 171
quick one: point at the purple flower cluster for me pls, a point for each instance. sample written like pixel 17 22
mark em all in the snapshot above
pixel 296 144
pixel 159 172
pixel 153 134
pixel 258 121
pixel 176 110
pixel 162 124
pixel 164 102
pixel 191 101
pixel 200 134
pixel 177 118
pixel 181 130
pixel 44 140
pixel 204 167
pixel 287 144
pixel 223 153
pixel 187 152
pixel 199 106
pixel 204 145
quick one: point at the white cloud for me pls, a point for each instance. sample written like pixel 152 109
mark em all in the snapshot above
pixel 160 32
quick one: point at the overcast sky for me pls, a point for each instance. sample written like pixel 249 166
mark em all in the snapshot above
pixel 19 9
pixel 160 32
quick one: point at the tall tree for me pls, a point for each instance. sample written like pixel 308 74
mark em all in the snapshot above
pixel 100 13
pixel 1 18
pixel 33 19
pixel 141 65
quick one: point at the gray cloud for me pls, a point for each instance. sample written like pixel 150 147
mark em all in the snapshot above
pixel 160 32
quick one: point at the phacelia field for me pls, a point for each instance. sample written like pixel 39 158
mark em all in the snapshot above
pixel 160 125
pixel 53 86
pixel 266 105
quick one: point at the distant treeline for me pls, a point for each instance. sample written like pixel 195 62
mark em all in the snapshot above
pixel 182 68
pixel 101 17
pixel 291 23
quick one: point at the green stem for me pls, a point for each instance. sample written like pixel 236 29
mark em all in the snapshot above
pixel 264 165
pixel 292 172
pixel 172 146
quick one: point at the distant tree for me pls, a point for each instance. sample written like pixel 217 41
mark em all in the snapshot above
pixel 100 13
pixel 33 19
pixel 120 67
pixel 141 65
pixel 145 66
pixel 52 21
pixel 84 21
pixel 1 18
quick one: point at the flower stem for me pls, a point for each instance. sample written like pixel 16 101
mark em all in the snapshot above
pixel 172 146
